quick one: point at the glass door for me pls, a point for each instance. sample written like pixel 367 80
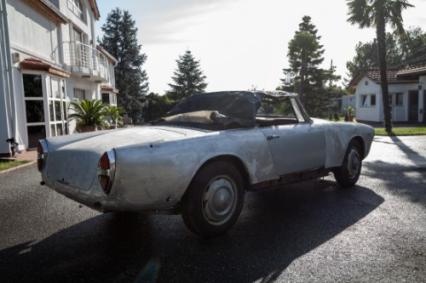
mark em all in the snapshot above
pixel 34 108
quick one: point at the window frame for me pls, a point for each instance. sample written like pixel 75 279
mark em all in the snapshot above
pixel 109 98
pixel 83 92
pixel 363 103
pixel 371 100
pixel 63 100
pixel 78 9
pixel 401 95
pixel 297 109
pixel 34 98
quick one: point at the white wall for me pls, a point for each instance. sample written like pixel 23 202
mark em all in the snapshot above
pixel 88 27
pixel 6 88
pixel 92 89
pixel 400 114
pixel 367 86
pixel 32 33
pixel 375 114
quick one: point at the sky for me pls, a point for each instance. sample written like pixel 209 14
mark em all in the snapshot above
pixel 241 44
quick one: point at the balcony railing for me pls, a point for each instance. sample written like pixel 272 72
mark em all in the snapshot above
pixel 85 60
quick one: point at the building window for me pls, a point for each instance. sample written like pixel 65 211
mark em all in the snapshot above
pixel 363 102
pixel 58 108
pixel 77 8
pixel 399 99
pixel 80 94
pixel 105 98
pixel 373 100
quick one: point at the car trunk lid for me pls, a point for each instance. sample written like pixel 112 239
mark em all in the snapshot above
pixel 73 160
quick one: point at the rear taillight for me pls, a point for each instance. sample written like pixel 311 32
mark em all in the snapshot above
pixel 106 170
pixel 41 154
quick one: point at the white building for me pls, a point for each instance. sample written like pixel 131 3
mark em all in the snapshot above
pixel 407 89
pixel 49 57
pixel 341 104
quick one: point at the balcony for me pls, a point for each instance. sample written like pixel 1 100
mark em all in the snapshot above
pixel 85 61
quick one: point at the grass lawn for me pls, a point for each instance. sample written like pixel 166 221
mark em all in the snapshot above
pixel 403 131
pixel 7 164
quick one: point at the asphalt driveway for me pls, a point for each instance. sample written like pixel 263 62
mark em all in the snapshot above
pixel 311 232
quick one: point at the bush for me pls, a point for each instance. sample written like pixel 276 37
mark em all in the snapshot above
pixel 92 115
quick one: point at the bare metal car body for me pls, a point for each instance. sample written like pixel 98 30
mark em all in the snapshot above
pixel 154 165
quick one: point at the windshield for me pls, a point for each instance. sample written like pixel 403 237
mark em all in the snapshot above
pixel 276 108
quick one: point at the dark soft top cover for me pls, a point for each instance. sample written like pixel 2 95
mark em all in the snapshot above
pixel 241 106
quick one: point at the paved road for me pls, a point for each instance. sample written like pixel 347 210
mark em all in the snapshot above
pixel 310 232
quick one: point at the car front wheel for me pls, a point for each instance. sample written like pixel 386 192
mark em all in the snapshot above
pixel 348 174
pixel 214 199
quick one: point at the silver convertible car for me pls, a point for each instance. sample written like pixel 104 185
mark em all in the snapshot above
pixel 203 157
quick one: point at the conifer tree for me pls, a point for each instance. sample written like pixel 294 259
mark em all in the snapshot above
pixel 305 76
pixel 120 40
pixel 188 78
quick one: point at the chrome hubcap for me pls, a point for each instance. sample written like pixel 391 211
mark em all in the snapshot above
pixel 219 200
pixel 354 163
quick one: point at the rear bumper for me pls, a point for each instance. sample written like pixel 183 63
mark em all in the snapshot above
pixel 95 199
pixel 87 198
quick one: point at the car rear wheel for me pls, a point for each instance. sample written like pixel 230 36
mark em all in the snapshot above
pixel 214 199
pixel 348 174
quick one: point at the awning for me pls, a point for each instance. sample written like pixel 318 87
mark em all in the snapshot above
pixel 38 65
pixel 109 89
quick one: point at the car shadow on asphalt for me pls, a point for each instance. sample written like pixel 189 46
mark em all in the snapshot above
pixel 275 228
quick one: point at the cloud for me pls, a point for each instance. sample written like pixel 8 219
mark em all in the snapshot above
pixel 166 21
pixel 242 43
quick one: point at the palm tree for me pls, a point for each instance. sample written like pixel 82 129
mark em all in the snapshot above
pixel 90 114
pixel 378 13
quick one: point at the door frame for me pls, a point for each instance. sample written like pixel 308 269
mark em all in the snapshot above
pixel 424 106
pixel 410 92
pixel 47 97
pixel 43 98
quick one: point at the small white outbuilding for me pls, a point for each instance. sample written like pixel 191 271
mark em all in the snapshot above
pixel 407 89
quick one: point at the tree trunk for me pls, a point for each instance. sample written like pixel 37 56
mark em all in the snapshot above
pixel 381 48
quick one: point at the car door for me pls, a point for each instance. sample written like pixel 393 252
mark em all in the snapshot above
pixel 296 147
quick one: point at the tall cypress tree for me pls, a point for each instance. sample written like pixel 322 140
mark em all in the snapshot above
pixel 305 54
pixel 188 77
pixel 120 39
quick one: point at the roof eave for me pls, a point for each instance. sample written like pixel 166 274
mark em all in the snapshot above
pixel 47 9
pixel 412 72
pixel 95 9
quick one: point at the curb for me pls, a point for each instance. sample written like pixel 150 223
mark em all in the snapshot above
pixel 18 167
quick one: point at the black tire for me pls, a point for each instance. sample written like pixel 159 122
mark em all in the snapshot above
pixel 218 185
pixel 348 174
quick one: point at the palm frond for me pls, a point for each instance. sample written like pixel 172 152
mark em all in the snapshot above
pixel 360 12
pixel 87 112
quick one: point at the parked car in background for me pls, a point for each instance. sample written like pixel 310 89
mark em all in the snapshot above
pixel 203 157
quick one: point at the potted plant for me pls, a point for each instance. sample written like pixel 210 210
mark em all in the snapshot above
pixel 349 116
pixel 90 114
